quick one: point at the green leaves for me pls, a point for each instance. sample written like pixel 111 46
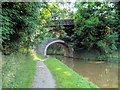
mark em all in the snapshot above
pixel 96 23
pixel 92 21
pixel 6 27
pixel 19 24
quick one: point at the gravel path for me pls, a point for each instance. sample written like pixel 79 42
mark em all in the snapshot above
pixel 43 77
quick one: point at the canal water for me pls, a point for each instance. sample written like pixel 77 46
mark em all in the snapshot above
pixel 103 74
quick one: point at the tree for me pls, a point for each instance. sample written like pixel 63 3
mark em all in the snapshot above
pixel 96 25
pixel 21 22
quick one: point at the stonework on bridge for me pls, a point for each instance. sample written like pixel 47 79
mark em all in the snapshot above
pixel 64 22
pixel 42 48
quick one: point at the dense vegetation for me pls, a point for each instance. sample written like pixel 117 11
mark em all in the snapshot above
pixel 24 24
pixel 97 24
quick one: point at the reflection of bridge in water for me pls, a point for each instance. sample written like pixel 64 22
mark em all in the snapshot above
pixel 42 48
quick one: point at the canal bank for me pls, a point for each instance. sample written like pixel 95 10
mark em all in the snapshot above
pixel 94 54
pixel 102 73
pixel 66 77
pixel 99 72
pixel 94 66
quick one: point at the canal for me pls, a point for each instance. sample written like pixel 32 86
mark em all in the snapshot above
pixel 102 73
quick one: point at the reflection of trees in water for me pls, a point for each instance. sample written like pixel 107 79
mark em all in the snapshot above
pixel 105 74
pixel 55 49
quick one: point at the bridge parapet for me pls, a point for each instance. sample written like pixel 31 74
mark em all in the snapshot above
pixel 64 22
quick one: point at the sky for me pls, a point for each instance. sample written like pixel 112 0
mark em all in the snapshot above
pixel 69 6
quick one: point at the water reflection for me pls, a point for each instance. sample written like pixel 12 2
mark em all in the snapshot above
pixel 103 74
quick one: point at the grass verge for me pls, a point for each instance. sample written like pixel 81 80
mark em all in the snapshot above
pixel 18 71
pixel 0 70
pixel 66 77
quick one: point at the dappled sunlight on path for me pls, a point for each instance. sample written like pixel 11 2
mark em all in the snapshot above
pixel 35 56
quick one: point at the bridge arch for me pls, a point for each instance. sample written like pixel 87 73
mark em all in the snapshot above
pixel 42 48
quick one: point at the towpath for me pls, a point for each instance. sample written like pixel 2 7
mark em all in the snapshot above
pixel 43 77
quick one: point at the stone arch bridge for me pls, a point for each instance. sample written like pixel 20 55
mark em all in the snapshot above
pixel 42 48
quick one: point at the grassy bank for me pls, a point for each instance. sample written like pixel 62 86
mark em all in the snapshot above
pixel 0 70
pixel 93 54
pixel 18 71
pixel 66 77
